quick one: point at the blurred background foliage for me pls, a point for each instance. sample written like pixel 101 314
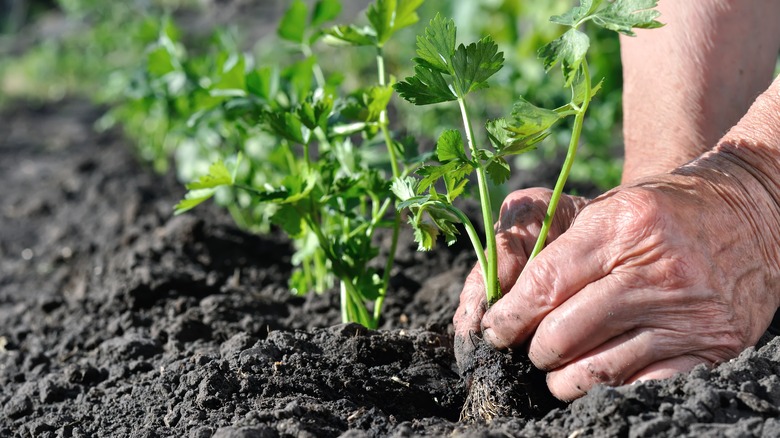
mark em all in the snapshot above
pixel 105 50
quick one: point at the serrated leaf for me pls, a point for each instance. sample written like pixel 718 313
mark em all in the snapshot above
pixel 430 174
pixel 288 218
pixel 352 35
pixel 192 199
pixel 324 11
pixel 425 87
pixel 578 85
pixel 404 188
pixel 498 170
pixel 218 175
pixel 569 49
pixel 576 14
pixel 377 100
pixel 498 134
pixel 205 187
pixel 530 119
pixel 293 24
pixel 624 15
pixel 475 63
pixel 455 186
pixel 263 83
pixel 449 146
pixel 436 48
pixel 313 114
pixel 425 234
pixel 390 16
pixel 507 142
pixel 287 125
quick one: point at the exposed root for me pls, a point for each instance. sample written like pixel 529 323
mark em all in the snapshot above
pixel 504 385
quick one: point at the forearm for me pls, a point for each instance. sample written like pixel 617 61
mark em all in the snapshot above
pixel 687 84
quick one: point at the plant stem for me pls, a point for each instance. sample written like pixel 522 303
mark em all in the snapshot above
pixel 472 233
pixel 351 304
pixel 489 266
pixel 566 169
pixel 383 126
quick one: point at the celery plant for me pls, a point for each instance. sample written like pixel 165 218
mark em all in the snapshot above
pixel 445 73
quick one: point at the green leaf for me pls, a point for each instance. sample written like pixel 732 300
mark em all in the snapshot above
pixel 570 49
pixel 624 15
pixel 300 77
pixel 351 35
pixel 192 199
pixel 324 11
pixel 293 24
pixel 218 175
pixel 390 16
pixel 576 14
pixel 288 218
pixel 475 63
pixel 469 66
pixel 377 100
pixel 425 87
pixel 436 48
pixel 404 188
pixel 287 125
pixel 313 114
pixel 498 170
pixel 263 83
pixel 205 187
pixel 450 146
pixel 159 62
pixel 455 169
pixel 530 119
pixel 232 75
pixel 454 185
pixel 507 142
pixel 579 89
pixel 425 234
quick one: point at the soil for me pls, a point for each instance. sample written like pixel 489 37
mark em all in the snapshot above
pixel 118 319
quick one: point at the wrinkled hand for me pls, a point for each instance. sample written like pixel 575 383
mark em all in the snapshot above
pixel 517 228
pixel 649 280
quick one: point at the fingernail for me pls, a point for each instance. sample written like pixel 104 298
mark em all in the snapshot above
pixel 490 337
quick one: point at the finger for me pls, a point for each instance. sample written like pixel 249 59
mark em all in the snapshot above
pixel 591 317
pixel 624 359
pixel 667 368
pixel 568 264
pixel 472 305
pixel 519 221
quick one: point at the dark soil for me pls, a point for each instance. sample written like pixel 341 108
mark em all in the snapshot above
pixel 118 319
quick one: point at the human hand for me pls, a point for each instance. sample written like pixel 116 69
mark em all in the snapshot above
pixel 518 226
pixel 649 280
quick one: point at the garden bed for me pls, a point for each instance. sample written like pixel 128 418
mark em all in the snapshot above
pixel 119 319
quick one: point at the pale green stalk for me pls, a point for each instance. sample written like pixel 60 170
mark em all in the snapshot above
pixel 489 266
pixel 383 126
pixel 566 169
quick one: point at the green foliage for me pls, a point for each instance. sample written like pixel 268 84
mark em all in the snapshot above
pixel 310 163
pixel 467 67
pixel 446 73
pixel 317 151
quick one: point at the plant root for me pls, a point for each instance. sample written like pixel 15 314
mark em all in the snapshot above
pixel 504 384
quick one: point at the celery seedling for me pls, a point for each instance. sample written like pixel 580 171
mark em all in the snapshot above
pixel 327 197
pixel 444 73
